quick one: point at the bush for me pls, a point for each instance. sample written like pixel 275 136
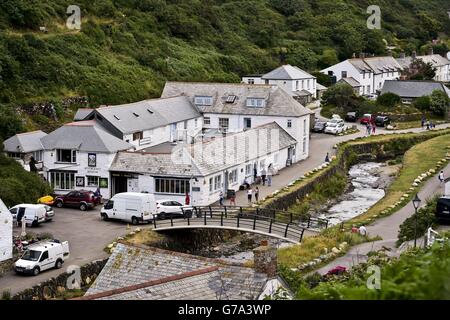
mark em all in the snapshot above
pixel 439 102
pixel 389 100
pixel 423 103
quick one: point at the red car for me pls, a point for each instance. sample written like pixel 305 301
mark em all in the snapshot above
pixel 366 118
pixel 81 199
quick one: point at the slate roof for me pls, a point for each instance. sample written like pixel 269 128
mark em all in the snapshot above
pixel 302 93
pixel 205 158
pixel 412 89
pixel 351 81
pixel 435 59
pixel 85 136
pixel 149 114
pixel 321 87
pixel 376 64
pixel 277 101
pixel 287 72
pixel 24 142
pixel 83 114
pixel 144 273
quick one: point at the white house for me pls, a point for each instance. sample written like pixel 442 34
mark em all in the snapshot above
pixel 234 108
pixel 369 72
pixel 23 146
pixel 5 232
pixel 206 167
pixel 298 83
pixel 78 156
pixel 150 122
pixel 441 64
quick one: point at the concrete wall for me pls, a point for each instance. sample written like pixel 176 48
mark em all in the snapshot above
pixel 5 233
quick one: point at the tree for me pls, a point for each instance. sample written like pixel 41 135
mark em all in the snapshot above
pixel 340 95
pixel 439 102
pixel 328 58
pixel 422 103
pixel 10 123
pixel 389 100
pixel 419 70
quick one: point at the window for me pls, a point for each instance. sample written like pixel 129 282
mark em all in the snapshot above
pixel 266 81
pixel 251 81
pixel 138 135
pixel 344 74
pixel 217 182
pixel 172 186
pixel 207 120
pixel 66 155
pixel 304 127
pixel 308 83
pixel 289 123
pixel 370 75
pixel 44 256
pixel 37 155
pixel 211 185
pixel 232 176
pixel 185 125
pixel 224 123
pixel 15 155
pixel 61 180
pixel 92 181
pixel 303 84
pixel 247 123
pixel 296 85
pixel 368 89
pixel 255 102
pixel 304 145
pixel 203 101
pixel 195 123
pixel 364 74
pixel 248 170
pixel 231 99
pixel 262 164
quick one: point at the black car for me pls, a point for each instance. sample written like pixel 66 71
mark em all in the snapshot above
pixel 443 209
pixel 319 126
pixel 382 121
pixel 351 116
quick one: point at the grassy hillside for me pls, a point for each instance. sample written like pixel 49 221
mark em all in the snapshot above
pixel 126 49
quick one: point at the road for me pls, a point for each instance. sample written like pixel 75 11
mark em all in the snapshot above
pixel 88 235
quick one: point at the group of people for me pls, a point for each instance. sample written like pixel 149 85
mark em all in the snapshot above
pixel 427 124
pixel 371 128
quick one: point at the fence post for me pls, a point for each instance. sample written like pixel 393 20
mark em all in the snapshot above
pixel 221 219
pixel 270 226
pixel 254 222
pixel 238 220
pixel 286 231
pixel 226 215
pixel 196 213
pixel 301 236
pixel 204 219
pixel 240 211
pixel 154 221
pixel 290 220
pixel 210 212
pixel 309 221
pixel 171 221
pixel 189 222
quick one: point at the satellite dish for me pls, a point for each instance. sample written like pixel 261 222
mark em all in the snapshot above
pixel 448 55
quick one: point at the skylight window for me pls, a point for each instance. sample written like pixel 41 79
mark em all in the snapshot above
pixel 255 102
pixel 150 111
pixel 136 115
pixel 231 98
pixel 116 117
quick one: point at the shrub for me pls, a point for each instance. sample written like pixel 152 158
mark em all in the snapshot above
pixel 423 103
pixel 389 100
pixel 439 102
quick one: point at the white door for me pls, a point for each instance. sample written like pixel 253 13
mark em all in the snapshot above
pixel 119 209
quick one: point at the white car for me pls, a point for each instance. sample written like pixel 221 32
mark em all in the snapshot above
pixel 34 214
pixel 42 256
pixel 335 126
pixel 167 208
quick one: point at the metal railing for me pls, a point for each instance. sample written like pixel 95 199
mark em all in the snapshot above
pixel 280 223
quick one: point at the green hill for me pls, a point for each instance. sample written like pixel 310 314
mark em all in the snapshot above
pixel 126 49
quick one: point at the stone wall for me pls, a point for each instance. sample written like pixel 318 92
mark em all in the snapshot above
pixel 56 286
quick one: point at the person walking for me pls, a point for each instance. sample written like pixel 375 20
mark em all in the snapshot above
pixel 233 200
pixel 423 122
pixel 428 125
pixel 441 177
pixel 373 127
pixel 255 173
pixel 363 231
pixel 256 194
pixel 263 176
pixel 221 198
pixel 327 157
pixel 369 128
pixel 249 195
pixel 269 175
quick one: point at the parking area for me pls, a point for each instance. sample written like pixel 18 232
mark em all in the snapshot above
pixel 87 234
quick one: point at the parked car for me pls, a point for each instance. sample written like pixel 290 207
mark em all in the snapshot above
pixel 443 209
pixel 34 214
pixel 382 121
pixel 170 208
pixel 370 97
pixel 366 118
pixel 335 127
pixel 130 206
pixel 351 116
pixel 82 199
pixel 42 256
pixel 319 126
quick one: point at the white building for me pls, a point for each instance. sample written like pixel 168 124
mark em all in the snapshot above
pixel 5 233
pixel 23 146
pixel 150 122
pixel 206 167
pixel 298 83
pixel 441 64
pixel 237 107
pixel 78 156
pixel 370 73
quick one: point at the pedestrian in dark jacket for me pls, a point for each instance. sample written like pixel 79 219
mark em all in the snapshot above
pixel 256 194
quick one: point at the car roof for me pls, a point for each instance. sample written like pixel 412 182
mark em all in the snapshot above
pixel 28 205
pixel 164 200
pixel 43 245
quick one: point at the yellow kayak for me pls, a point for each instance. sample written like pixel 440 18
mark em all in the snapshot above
pixel 48 200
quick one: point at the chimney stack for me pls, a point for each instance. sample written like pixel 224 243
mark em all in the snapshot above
pixel 414 55
pixel 265 259
pixel 402 55
pixel 430 51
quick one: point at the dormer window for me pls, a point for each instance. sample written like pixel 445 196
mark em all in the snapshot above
pixel 231 99
pixel 203 101
pixel 117 118
pixel 255 102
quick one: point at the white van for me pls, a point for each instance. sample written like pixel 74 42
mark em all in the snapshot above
pixel 34 213
pixel 130 206
pixel 42 256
